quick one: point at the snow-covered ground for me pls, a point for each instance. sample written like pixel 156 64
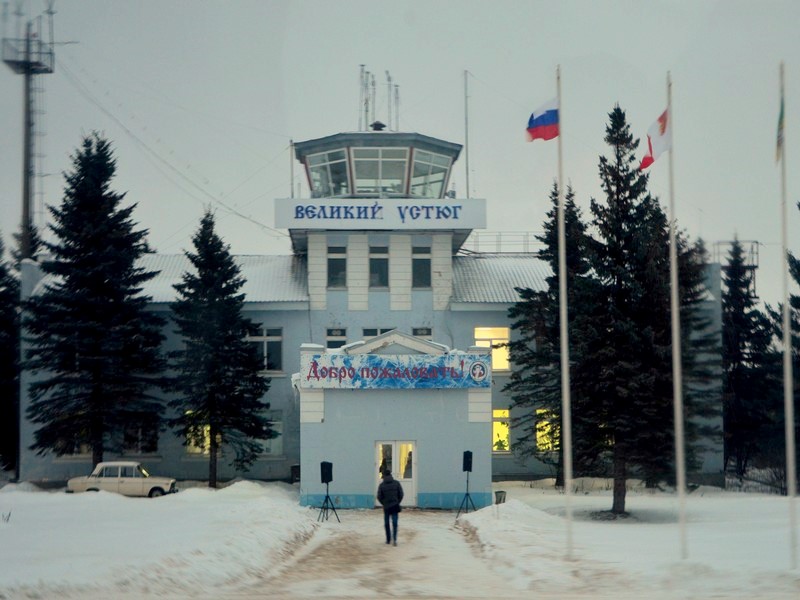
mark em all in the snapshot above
pixel 252 540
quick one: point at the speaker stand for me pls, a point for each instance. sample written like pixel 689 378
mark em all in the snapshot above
pixel 466 502
pixel 327 506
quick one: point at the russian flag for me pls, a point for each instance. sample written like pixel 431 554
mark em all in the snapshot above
pixel 543 124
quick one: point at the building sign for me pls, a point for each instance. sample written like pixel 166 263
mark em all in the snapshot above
pixel 381 213
pixel 395 371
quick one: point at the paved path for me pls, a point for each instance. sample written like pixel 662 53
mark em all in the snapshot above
pixel 433 559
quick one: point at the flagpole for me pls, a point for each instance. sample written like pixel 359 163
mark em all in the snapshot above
pixel 466 130
pixel 566 408
pixel 788 403
pixel 677 374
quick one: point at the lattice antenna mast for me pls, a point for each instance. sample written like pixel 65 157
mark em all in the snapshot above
pixel 29 56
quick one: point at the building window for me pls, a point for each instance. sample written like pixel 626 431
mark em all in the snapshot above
pixel 501 438
pixel 328 173
pixel 373 331
pixel 429 174
pixel 424 333
pixel 335 338
pixel 274 446
pixel 72 447
pixel 337 266
pixel 379 266
pixel 267 343
pixel 140 435
pixel 380 171
pixel 421 267
pixel 545 431
pixel 198 440
pixel 495 338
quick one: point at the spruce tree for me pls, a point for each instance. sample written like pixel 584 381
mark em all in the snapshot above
pixel 625 371
pixel 220 390
pixel 776 317
pixel 9 364
pixel 749 392
pixel 535 383
pixel 92 343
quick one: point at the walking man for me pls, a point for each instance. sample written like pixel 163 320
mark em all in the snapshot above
pixel 390 494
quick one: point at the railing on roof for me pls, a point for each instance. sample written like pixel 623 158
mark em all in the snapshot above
pixel 502 241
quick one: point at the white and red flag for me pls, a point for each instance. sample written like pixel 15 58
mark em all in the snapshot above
pixel 659 140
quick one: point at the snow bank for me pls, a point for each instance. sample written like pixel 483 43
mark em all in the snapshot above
pixel 196 538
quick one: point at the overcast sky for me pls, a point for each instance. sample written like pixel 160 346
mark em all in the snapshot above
pixel 201 99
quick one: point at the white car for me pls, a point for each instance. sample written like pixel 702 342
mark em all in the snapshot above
pixel 128 478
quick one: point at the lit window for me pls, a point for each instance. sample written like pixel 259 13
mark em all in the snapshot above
pixel 267 343
pixel 501 439
pixel 545 432
pixel 328 172
pixel 421 267
pixel 373 331
pixel 425 333
pixel 378 266
pixel 335 338
pixel 429 174
pixel 495 338
pixel 198 440
pixel 337 266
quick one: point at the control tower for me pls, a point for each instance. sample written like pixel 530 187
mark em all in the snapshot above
pixel 378 181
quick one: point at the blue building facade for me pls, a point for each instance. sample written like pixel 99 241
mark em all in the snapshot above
pixel 377 276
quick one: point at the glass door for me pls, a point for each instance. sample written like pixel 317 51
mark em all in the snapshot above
pixel 398 457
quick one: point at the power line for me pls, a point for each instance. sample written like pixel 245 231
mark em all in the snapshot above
pixel 73 79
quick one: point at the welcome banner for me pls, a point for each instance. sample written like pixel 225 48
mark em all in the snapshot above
pixel 396 371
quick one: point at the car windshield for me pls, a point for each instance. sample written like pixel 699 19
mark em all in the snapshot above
pixel 143 471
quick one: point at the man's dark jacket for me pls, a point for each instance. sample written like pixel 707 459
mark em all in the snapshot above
pixel 390 494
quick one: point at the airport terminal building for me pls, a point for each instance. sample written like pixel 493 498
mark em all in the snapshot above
pixel 379 333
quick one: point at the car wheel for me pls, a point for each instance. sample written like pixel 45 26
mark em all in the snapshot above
pixel 156 492
pixel 92 490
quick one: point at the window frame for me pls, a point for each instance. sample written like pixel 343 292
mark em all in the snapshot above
pixel 501 420
pixel 276 417
pixel 335 335
pixel 144 440
pixel 379 256
pixel 498 344
pixel 417 332
pixel 424 166
pixel 322 163
pixel 421 255
pixel 265 338
pixel 378 331
pixel 379 190
pixel 336 255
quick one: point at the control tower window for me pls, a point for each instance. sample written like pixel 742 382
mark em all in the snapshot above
pixel 429 175
pixel 328 172
pixel 380 171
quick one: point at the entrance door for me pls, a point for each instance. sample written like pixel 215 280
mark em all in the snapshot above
pixel 401 459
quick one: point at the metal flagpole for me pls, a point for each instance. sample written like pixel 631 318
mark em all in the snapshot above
pixel 677 374
pixel 566 408
pixel 788 403
pixel 466 129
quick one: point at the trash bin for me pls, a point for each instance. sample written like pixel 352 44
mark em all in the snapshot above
pixel 295 473
pixel 499 497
